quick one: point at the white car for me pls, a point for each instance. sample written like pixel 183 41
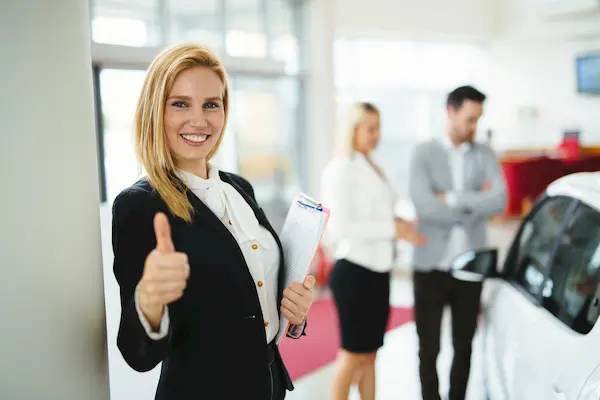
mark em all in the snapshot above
pixel 541 336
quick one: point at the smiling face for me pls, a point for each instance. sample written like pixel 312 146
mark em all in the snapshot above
pixel 194 117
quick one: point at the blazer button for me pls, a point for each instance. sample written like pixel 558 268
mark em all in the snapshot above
pixel 229 222
pixel 254 246
pixel 260 283
pixel 266 323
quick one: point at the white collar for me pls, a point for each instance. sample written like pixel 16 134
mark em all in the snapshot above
pixel 221 198
pixel 448 144
pixel 361 156
pixel 194 182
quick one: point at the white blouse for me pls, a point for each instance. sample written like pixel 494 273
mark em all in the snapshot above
pixel 258 246
pixel 362 225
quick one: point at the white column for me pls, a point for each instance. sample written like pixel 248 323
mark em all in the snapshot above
pixel 319 34
pixel 52 320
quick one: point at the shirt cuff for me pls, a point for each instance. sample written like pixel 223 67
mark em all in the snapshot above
pixel 164 322
pixel 295 331
pixel 451 199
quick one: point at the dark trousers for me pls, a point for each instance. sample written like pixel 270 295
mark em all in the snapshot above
pixel 433 290
pixel 277 386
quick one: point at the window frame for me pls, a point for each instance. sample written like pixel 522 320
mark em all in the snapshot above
pixel 99 134
pixel 115 56
pixel 510 269
pixel 560 303
pixel 299 139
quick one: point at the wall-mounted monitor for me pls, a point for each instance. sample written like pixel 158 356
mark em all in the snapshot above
pixel 588 74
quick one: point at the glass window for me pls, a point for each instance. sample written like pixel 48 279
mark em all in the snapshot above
pixel 126 22
pixel 408 64
pixel 281 25
pixel 530 256
pixel 263 118
pixel 575 274
pixel 246 22
pixel 119 91
pixel 200 21
pixel 410 88
pixel 406 118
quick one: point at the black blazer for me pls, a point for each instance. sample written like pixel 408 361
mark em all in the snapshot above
pixel 216 345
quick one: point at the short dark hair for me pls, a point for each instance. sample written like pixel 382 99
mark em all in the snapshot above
pixel 458 96
pixel 368 107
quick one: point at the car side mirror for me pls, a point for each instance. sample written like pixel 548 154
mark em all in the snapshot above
pixel 475 265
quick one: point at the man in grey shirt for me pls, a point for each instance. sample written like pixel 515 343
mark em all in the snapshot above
pixel 456 184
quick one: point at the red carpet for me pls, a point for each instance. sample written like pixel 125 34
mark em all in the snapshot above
pixel 320 345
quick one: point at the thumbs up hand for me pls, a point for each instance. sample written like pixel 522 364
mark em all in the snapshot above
pixel 165 274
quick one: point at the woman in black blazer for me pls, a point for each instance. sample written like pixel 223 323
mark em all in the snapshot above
pixel 197 262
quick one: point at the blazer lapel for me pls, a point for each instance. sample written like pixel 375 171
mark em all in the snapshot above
pixel 260 215
pixel 262 219
pixel 472 170
pixel 201 210
pixel 443 157
pixel 205 218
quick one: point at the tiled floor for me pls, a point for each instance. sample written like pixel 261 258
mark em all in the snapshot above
pixel 397 376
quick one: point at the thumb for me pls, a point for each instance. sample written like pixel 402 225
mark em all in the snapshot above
pixel 162 230
pixel 309 282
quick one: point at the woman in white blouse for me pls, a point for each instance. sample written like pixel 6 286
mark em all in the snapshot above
pixel 363 231
pixel 198 264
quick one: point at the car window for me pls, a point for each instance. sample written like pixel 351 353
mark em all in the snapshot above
pixel 574 279
pixel 528 261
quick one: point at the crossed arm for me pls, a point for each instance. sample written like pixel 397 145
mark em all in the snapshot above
pixel 490 200
pixel 430 208
pixel 448 209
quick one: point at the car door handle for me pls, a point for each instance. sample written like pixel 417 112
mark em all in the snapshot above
pixel 559 394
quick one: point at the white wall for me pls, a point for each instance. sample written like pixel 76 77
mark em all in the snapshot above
pixel 525 19
pixel 531 58
pixel 538 78
pixel 533 93
pixel 474 18
pixel 53 343
pixel 319 34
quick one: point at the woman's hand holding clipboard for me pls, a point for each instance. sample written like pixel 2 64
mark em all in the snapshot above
pixel 297 299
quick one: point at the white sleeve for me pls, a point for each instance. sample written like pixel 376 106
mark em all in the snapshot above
pixel 164 322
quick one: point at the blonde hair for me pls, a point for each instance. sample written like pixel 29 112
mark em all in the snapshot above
pixel 150 139
pixel 345 141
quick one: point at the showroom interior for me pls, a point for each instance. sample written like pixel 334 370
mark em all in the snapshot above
pixel 71 76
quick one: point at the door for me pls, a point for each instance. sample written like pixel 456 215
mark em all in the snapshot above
pixel 514 305
pixel 539 331
pixel 591 388
pixel 574 305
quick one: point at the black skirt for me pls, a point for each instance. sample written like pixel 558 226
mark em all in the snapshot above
pixel 362 298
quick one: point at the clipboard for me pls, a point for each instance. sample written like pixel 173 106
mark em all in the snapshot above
pixel 300 237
